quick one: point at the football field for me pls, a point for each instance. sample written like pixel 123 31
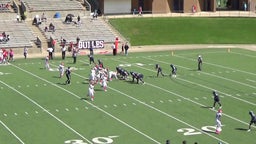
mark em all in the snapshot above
pixel 37 107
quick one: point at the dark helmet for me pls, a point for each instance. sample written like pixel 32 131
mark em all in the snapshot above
pixel 250 112
pixel 157 65
pixel 214 91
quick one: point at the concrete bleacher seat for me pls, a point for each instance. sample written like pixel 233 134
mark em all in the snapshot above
pixel 5 6
pixel 88 30
pixel 52 5
pixel 20 34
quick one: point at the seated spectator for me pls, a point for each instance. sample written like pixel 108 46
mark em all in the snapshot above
pixel 95 14
pixel 45 29
pixel 68 19
pixel 52 27
pixel 43 17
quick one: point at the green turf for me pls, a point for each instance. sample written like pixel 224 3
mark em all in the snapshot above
pixel 38 107
pixel 165 31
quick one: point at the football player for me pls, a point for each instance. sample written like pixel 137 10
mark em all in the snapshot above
pixel 159 70
pixel 200 62
pixel 174 70
pixel 218 121
pixel 253 120
pixel 216 99
pixel 137 76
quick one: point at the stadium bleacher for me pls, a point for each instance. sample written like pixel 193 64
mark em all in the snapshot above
pixel 52 5
pixel 88 30
pixel 5 6
pixel 20 34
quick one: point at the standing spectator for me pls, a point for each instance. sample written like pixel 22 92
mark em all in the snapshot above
pixel 216 99
pixel 200 62
pixel 114 49
pixel 63 51
pixel 50 52
pixel 11 55
pixel 126 47
pixel 253 120
pixel 68 75
pixel 245 6
pixel 140 11
pixel 25 52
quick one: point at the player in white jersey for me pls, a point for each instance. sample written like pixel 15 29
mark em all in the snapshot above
pixel 91 92
pixel 111 74
pixel 104 83
pixel 61 69
pixel 218 121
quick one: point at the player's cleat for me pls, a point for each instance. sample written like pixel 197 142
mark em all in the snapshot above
pixel 213 108
pixel 248 130
pixel 220 107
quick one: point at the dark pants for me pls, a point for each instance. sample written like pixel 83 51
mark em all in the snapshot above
pixel 74 59
pixel 63 55
pixel 68 79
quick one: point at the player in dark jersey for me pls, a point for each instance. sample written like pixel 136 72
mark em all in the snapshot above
pixel 68 75
pixel 216 99
pixel 159 70
pixel 137 76
pixel 174 70
pixel 200 62
pixel 253 120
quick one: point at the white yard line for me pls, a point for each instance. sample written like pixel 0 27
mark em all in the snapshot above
pixel 12 132
pixel 88 103
pixel 35 103
pixel 246 123
pixel 225 67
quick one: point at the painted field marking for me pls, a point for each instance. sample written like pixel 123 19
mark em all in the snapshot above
pixel 190 99
pixel 12 132
pixel 162 112
pixel 124 123
pixel 35 103
pixel 204 85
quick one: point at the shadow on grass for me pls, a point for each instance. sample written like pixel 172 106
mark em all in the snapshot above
pixel 241 129
pixel 206 107
pixel 85 98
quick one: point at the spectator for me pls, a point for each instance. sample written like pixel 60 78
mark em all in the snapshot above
pixel 50 51
pixel 74 54
pixel 140 11
pixel 43 17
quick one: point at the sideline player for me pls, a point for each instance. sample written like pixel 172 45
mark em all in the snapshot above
pixel 159 70
pixel 216 99
pixel 253 120
pixel 47 65
pixel 68 75
pixel 200 62
pixel 174 70
pixel 218 121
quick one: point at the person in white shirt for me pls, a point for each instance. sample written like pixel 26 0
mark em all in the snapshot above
pixel 91 91
pixel 218 121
